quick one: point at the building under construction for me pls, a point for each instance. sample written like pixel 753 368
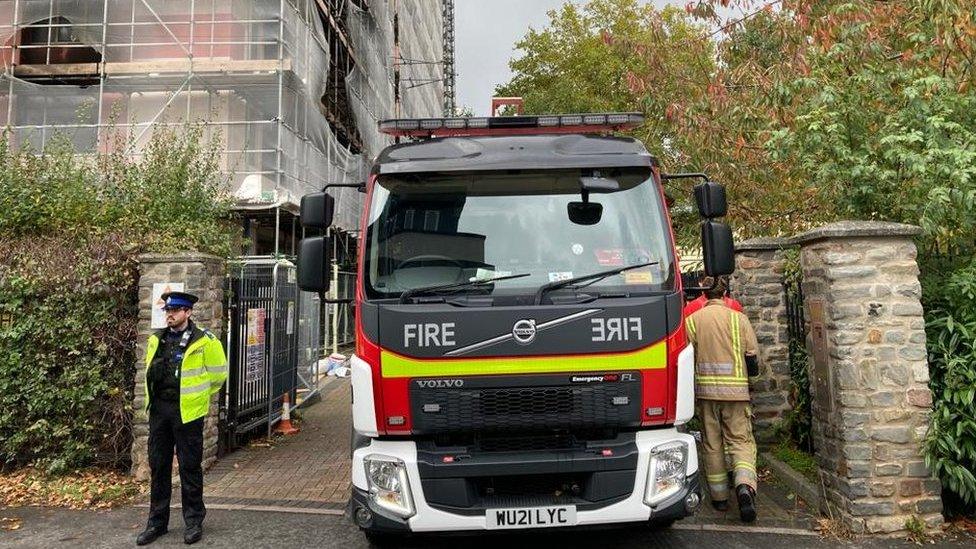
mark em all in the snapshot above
pixel 292 88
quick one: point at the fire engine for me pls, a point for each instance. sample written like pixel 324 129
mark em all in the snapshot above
pixel 521 359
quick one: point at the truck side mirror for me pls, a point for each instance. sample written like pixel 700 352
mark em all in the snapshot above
pixel 317 210
pixel 314 263
pixel 710 197
pixel 718 251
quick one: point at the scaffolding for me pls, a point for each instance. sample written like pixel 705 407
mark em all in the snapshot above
pixel 447 15
pixel 291 88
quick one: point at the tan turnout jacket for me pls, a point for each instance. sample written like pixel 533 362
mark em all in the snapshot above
pixel 721 337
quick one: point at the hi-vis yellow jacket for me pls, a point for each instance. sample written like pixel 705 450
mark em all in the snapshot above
pixel 721 337
pixel 202 371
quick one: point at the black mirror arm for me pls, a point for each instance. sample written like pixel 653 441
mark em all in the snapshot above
pixel 324 299
pixel 361 187
pixel 669 176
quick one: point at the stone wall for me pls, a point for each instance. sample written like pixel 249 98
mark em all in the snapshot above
pixel 758 285
pixel 203 276
pixel 869 374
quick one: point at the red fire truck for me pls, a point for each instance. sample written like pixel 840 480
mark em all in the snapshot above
pixel 520 360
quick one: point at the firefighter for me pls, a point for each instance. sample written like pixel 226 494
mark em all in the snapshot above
pixel 725 356
pixel 185 365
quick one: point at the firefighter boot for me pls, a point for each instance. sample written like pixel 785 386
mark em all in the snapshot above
pixel 747 502
pixel 721 505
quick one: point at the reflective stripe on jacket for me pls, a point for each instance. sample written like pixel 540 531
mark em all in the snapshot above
pixel 721 338
pixel 202 372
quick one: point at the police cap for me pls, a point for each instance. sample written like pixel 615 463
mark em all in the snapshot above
pixel 176 300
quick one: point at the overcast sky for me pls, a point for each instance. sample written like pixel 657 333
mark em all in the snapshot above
pixel 485 34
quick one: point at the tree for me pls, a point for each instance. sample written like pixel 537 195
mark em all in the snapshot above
pixel 609 55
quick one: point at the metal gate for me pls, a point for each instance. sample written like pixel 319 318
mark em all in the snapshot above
pixel 800 413
pixel 341 317
pixel 272 347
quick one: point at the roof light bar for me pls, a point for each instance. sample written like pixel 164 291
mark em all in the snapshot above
pixel 511 125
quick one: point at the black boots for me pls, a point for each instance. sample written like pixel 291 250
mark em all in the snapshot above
pixel 150 534
pixel 747 502
pixel 192 534
pixel 721 505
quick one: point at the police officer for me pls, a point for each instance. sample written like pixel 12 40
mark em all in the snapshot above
pixel 185 365
pixel 725 356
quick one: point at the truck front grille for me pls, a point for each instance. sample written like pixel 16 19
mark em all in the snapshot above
pixel 497 403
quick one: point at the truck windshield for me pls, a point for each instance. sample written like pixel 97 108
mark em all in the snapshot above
pixel 434 229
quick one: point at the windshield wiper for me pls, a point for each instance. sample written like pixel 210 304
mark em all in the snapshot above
pixel 477 282
pixel 592 278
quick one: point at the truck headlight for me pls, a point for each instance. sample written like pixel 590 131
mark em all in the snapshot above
pixel 388 485
pixel 666 473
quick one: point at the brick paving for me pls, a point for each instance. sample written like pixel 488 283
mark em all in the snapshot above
pixel 309 469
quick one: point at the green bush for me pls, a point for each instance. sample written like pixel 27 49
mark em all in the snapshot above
pixel 73 226
pixel 951 443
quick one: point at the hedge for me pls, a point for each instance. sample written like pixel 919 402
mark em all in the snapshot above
pixel 72 227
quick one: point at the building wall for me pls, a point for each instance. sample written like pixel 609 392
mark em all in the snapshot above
pixel 253 71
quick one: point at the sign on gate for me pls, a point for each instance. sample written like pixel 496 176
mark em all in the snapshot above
pixel 290 329
pixel 254 350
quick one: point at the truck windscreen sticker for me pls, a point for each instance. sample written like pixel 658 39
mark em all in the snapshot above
pixel 525 334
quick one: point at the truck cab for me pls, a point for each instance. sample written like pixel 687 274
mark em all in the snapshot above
pixel 521 359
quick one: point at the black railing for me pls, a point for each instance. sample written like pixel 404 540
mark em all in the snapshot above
pixel 800 415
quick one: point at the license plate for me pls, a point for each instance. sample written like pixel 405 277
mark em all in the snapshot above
pixel 531 517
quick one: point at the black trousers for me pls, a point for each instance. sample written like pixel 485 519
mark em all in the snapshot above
pixel 166 431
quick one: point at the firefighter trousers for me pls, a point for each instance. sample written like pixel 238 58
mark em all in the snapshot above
pixel 727 426
pixel 166 431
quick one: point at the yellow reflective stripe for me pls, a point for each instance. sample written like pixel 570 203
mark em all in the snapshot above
pixel 736 345
pixel 222 369
pixel 193 389
pixel 742 382
pixel 690 325
pixel 716 477
pixel 190 372
pixel 721 378
pixel 652 357
pixel 744 465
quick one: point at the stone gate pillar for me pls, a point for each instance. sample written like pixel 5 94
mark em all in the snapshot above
pixel 869 374
pixel 758 285
pixel 203 276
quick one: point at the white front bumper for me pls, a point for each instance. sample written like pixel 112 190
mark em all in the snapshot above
pixel 428 519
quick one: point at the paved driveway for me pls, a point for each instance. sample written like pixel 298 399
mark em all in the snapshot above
pixel 307 470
